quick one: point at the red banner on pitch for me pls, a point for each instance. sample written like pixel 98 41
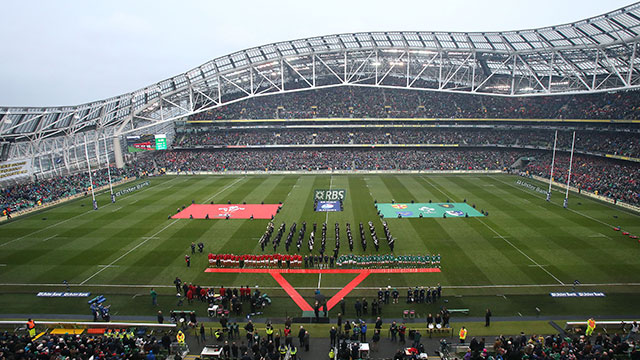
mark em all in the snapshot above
pixel 233 211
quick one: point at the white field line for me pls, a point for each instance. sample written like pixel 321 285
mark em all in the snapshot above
pixel 290 191
pixel 128 252
pixel 505 286
pixel 49 238
pixel 430 183
pixel 520 251
pixel 45 228
pixel 151 237
pixel 326 219
pixel 507 241
pixel 223 189
pixel 319 279
pixel 599 235
pixel 570 209
pixel 73 217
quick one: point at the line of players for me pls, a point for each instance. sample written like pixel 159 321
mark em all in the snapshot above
pixel 265 239
pixel 256 261
pixel 388 261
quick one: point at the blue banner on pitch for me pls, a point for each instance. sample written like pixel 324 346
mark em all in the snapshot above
pixel 328 206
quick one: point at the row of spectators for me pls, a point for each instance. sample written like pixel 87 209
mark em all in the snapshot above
pixel 613 179
pixel 558 347
pixel 617 143
pixel 51 346
pixel 30 194
pixel 606 177
pixel 335 159
pixel 370 102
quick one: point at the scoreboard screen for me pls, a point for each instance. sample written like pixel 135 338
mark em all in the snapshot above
pixel 148 142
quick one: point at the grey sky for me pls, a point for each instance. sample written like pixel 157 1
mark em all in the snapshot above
pixel 72 52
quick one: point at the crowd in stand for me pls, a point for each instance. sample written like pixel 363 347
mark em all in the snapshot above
pixel 49 346
pixel 613 179
pixel 556 347
pixel 605 142
pixel 31 194
pixel 617 180
pixel 336 159
pixel 364 102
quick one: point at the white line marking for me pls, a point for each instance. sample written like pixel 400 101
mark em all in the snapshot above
pixel 150 237
pixel 506 286
pixel 49 238
pixel 116 209
pixel 599 235
pixel 536 265
pixel 84 213
pixel 133 202
pixel 430 183
pixel 223 189
pixel 520 251
pixel 128 252
pixel 575 211
pixel 507 241
pixel 326 219
pixel 3 264
pixel 319 279
pixel 109 266
pixel 50 226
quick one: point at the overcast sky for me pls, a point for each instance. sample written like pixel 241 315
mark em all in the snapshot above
pixel 72 52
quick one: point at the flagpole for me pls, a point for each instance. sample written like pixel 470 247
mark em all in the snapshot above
pixel 93 195
pixel 553 160
pixel 106 155
pixel 566 196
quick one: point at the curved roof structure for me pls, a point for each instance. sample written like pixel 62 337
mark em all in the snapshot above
pixel 595 54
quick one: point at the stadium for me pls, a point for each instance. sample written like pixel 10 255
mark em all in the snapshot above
pixel 438 182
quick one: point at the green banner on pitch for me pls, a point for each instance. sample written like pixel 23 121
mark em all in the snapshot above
pixel 408 210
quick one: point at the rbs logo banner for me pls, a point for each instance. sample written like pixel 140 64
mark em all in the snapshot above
pixel 330 195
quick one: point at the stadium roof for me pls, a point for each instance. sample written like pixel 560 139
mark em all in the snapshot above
pixel 595 54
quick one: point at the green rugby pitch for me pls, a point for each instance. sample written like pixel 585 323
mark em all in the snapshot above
pixel 508 261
